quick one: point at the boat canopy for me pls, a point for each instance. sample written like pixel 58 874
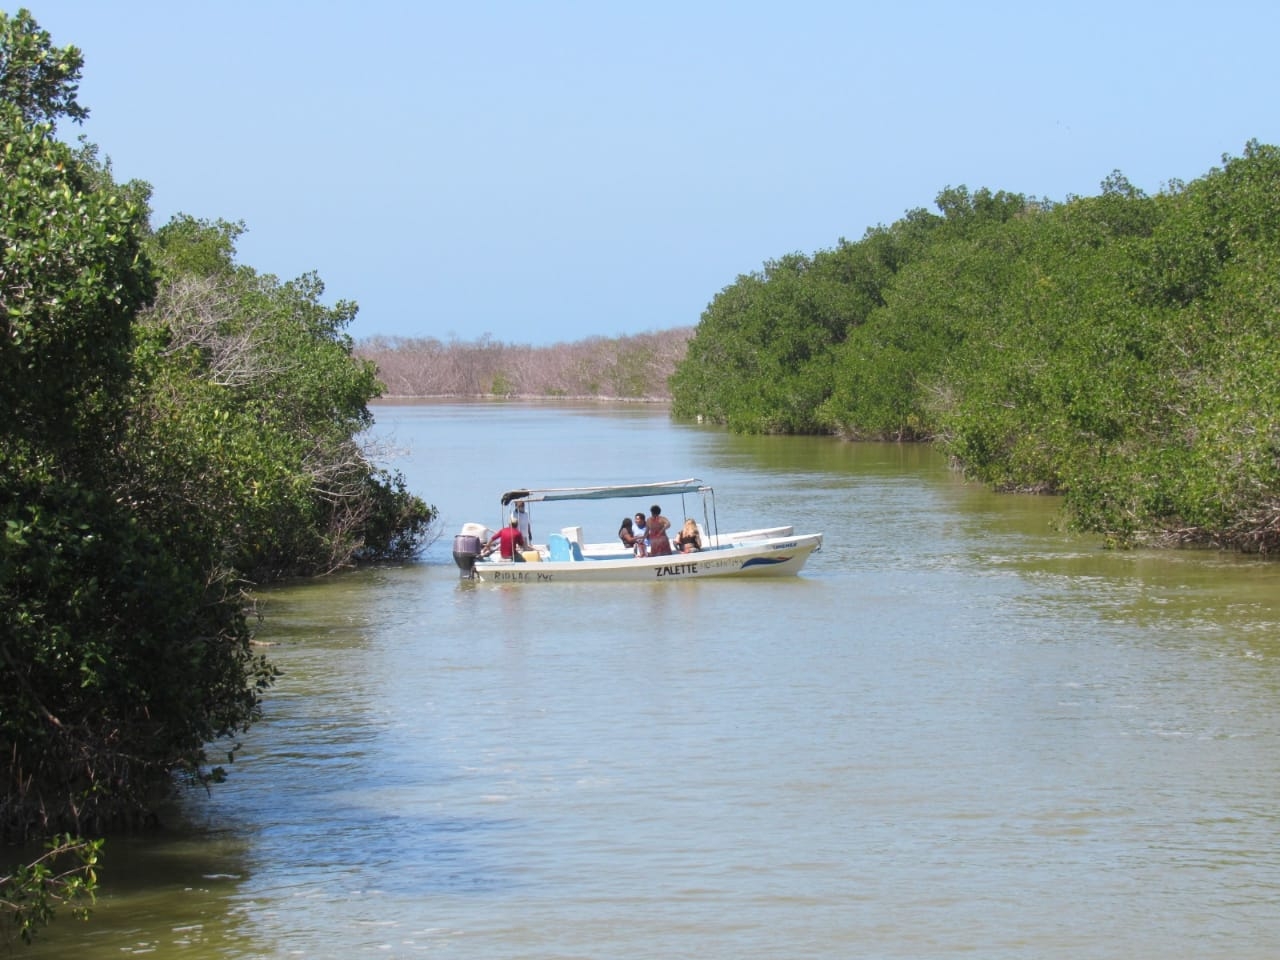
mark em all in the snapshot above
pixel 663 488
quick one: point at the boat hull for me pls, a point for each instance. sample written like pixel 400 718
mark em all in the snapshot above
pixel 772 557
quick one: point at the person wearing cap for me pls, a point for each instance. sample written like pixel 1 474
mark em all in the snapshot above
pixel 508 540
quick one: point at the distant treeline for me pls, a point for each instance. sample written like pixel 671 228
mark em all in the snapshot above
pixel 1122 349
pixel 616 368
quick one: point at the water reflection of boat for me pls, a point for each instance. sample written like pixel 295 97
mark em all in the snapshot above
pixel 566 558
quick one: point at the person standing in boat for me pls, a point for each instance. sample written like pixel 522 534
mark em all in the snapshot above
pixel 523 522
pixel 627 534
pixel 658 525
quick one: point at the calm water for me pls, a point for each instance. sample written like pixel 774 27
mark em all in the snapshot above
pixel 958 733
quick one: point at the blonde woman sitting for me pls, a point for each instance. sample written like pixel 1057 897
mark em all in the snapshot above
pixel 689 539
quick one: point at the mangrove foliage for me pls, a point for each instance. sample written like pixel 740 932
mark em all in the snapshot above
pixel 1120 349
pixel 177 425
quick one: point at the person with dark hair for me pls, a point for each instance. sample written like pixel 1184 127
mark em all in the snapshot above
pixel 522 517
pixel 627 534
pixel 659 543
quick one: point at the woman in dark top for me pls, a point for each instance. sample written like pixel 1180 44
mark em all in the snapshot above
pixel 630 538
pixel 689 539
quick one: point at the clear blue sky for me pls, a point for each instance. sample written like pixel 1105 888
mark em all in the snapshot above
pixel 547 171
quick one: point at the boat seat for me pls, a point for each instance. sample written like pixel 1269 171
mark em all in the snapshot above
pixel 560 547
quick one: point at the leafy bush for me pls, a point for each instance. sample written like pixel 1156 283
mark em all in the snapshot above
pixel 177 423
pixel 1120 349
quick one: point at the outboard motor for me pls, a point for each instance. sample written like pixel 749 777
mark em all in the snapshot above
pixel 466 550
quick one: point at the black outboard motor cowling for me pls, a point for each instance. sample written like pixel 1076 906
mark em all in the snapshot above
pixel 466 550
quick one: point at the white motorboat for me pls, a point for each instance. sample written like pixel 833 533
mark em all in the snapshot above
pixel 566 558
